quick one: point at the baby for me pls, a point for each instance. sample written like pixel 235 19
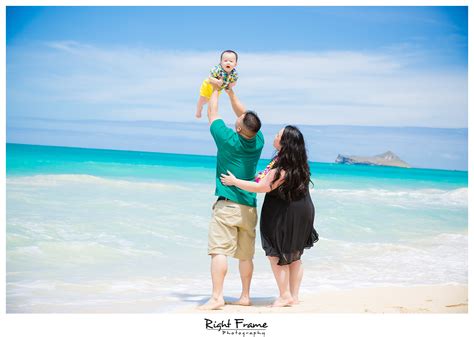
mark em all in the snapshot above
pixel 224 75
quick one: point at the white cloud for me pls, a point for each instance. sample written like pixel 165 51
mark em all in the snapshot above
pixel 72 80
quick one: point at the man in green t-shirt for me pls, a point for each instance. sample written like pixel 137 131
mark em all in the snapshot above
pixel 234 214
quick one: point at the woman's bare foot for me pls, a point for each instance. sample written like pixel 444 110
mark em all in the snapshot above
pixel 245 301
pixel 295 301
pixel 283 302
pixel 212 304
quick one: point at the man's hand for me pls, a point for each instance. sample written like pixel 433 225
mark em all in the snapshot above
pixel 215 86
pixel 229 87
pixel 216 81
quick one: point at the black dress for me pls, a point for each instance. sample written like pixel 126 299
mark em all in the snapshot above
pixel 286 227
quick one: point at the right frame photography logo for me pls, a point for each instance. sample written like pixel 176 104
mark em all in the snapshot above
pixel 236 327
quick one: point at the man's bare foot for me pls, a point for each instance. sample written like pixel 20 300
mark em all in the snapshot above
pixel 212 304
pixel 283 302
pixel 245 301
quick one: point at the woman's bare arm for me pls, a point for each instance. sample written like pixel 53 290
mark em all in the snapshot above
pixel 263 186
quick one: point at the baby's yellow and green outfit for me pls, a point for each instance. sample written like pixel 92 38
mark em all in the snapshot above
pixel 218 72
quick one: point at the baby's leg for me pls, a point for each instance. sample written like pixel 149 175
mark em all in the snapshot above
pixel 201 102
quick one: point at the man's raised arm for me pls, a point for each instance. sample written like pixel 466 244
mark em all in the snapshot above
pixel 237 106
pixel 212 106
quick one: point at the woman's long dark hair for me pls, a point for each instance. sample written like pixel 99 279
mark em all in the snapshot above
pixel 292 158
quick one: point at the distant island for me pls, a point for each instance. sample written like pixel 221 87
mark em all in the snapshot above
pixel 385 159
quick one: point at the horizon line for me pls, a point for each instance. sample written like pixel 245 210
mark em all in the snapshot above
pixel 197 122
pixel 214 156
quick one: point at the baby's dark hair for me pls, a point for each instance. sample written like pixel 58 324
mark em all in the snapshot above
pixel 251 121
pixel 230 51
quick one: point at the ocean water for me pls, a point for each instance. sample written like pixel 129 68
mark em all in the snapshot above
pixel 121 231
pixel 441 148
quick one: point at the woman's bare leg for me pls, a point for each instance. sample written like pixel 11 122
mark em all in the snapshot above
pixel 282 277
pixel 296 275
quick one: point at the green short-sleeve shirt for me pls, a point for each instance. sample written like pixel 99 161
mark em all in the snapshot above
pixel 240 156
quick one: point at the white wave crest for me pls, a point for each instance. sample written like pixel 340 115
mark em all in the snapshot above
pixel 401 198
pixel 49 180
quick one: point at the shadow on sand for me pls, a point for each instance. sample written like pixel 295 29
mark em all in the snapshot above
pixel 200 299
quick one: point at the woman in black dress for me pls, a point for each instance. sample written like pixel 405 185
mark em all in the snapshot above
pixel 286 222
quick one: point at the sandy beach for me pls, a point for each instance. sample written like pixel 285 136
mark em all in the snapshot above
pixel 419 299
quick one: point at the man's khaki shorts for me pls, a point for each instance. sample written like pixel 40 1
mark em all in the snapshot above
pixel 232 230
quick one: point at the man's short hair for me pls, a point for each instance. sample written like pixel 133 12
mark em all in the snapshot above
pixel 251 121
pixel 230 51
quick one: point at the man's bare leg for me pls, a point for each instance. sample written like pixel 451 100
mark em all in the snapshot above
pixel 246 272
pixel 218 272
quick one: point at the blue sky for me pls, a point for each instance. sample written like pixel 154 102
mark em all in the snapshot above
pixel 250 29
pixel 377 66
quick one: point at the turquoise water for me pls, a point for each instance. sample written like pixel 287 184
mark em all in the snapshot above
pixel 108 231
pixel 29 160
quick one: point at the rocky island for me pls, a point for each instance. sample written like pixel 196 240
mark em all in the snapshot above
pixel 385 159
